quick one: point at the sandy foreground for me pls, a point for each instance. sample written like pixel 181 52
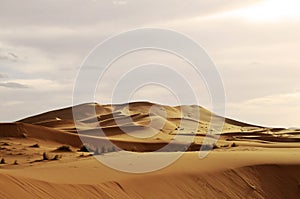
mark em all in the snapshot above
pixel 248 161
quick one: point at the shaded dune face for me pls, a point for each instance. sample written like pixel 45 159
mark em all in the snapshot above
pixel 260 181
pixel 141 126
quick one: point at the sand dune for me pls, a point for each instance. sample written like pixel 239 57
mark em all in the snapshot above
pixel 244 162
pixel 205 179
pixel 23 130
pixel 145 122
pixel 261 181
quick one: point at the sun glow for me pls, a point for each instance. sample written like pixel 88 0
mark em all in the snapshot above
pixel 270 10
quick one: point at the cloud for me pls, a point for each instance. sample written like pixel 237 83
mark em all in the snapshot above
pixel 14 85
pixel 46 85
pixel 49 28
pixel 3 75
pixel 43 95
pixel 8 56
pixel 42 46
pixel 273 110
pixel 87 12
pixel 12 103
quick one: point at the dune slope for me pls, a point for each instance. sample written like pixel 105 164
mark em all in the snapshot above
pixel 260 181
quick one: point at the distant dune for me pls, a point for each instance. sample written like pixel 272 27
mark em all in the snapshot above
pixel 134 119
pixel 41 157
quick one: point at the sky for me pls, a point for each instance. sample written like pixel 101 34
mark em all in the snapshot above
pixel 255 46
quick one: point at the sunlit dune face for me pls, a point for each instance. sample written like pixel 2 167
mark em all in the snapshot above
pixel 270 11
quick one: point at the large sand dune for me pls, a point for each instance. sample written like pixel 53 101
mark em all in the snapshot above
pixel 151 123
pixel 247 161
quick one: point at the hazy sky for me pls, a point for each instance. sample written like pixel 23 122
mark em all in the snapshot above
pixel 254 44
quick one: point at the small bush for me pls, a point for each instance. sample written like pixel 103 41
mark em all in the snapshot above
pixel 35 146
pixel 208 147
pixel 2 161
pixel 100 152
pixel 45 156
pixel 83 155
pixel 103 150
pixel 184 148
pixel 57 157
pixel 215 146
pixel 97 151
pixel 87 148
pixel 113 149
pixel 63 148
pixel 233 144
pixel 16 162
pixel 225 145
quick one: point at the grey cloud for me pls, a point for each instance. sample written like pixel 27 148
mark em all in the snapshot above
pixel 13 55
pixel 84 12
pixel 9 56
pixel 13 85
pixel 48 27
